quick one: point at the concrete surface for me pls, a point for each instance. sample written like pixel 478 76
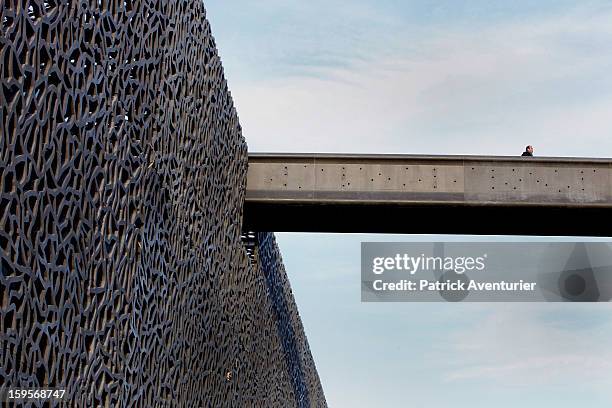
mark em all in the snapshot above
pixel 440 194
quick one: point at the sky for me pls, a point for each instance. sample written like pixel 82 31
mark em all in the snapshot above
pixel 430 77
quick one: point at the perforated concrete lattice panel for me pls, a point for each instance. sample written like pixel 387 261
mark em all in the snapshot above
pixel 122 176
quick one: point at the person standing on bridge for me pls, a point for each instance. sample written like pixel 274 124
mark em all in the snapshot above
pixel 528 151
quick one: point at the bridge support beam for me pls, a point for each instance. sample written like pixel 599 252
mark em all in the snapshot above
pixel 429 194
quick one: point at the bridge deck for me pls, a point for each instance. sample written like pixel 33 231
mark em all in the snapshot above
pixel 429 194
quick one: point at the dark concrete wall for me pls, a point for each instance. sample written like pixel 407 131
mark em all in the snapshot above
pixel 122 179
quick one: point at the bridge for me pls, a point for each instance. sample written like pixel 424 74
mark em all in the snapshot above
pixel 421 194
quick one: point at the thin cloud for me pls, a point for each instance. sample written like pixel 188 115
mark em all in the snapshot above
pixel 520 346
pixel 488 92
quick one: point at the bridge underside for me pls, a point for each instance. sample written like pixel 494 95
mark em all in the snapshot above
pixel 427 219
pixel 428 195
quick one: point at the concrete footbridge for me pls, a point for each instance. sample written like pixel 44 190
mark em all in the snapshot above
pixel 421 194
